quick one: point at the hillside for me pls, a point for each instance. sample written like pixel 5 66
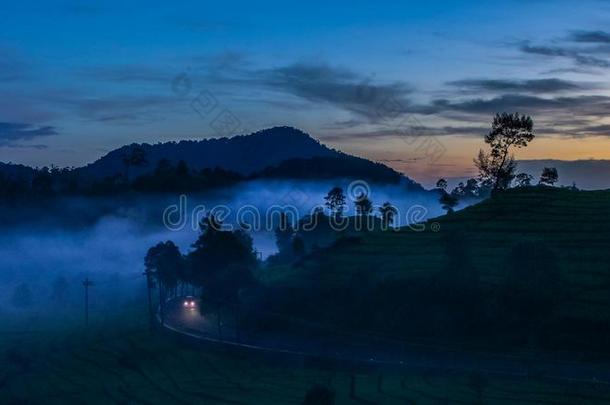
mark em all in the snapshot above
pixel 120 362
pixel 574 223
pixel 243 154
pixel 343 166
pixel 569 228
pixel 277 153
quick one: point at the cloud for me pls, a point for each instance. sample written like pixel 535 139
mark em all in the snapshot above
pixel 579 56
pixel 342 88
pixel 222 62
pixel 597 37
pixel 121 108
pixel 377 108
pixel 546 50
pixel 117 108
pixel 11 133
pixel 345 124
pixel 551 85
pixel 594 130
pixel 583 105
pixel 20 146
pixel 316 83
pixel 411 131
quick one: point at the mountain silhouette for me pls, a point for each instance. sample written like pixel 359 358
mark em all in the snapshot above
pixel 279 152
pixel 242 154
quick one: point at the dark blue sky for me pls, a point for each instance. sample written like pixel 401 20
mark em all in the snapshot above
pixel 378 79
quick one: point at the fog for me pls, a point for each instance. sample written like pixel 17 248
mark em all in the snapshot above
pixel 54 247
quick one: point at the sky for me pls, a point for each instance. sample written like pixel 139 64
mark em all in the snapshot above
pixel 409 84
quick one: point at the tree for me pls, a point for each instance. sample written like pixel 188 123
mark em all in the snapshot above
pixel 448 202
pixel 472 188
pixel 364 206
pixel 388 212
pixel 182 169
pixel 42 182
pixel 508 131
pixel 524 180
pixel 164 168
pixel 442 184
pixel 283 236
pixel 469 190
pixel 222 260
pixel 165 262
pixel 549 176
pixel 298 246
pixel 335 201
pixel 222 263
pixel 135 157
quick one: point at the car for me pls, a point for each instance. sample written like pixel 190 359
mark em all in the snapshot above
pixel 189 303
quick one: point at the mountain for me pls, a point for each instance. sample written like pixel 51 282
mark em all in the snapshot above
pixel 279 152
pixel 242 154
pixel 342 166
pixel 274 153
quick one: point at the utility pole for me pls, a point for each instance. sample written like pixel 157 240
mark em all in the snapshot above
pixel 87 283
pixel 149 285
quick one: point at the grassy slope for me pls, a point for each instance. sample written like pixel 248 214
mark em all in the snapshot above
pixel 575 224
pixel 127 365
pixel 124 365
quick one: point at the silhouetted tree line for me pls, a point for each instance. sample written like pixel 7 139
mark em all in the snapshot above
pixel 167 177
pixel 219 265
pixel 171 177
pixel 497 168
pixel 322 228
pixel 331 167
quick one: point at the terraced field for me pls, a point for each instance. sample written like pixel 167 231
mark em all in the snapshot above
pixel 127 365
pixel 573 224
pixel 120 362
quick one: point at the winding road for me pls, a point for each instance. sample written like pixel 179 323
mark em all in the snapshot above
pixel 190 323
